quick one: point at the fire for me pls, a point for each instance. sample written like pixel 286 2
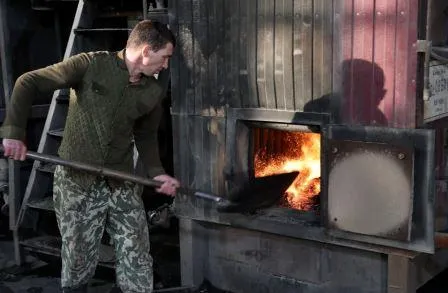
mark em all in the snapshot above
pixel 299 152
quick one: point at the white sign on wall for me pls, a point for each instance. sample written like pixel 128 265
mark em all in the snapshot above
pixel 436 106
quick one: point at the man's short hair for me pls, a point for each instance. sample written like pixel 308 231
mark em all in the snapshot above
pixel 154 33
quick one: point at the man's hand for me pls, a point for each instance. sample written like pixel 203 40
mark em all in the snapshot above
pixel 169 185
pixel 14 149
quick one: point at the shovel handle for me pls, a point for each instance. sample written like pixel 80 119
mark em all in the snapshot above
pixel 110 173
pixel 91 168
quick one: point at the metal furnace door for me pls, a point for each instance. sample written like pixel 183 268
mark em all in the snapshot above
pixel 379 186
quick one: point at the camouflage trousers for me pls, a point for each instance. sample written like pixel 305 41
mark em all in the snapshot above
pixel 83 214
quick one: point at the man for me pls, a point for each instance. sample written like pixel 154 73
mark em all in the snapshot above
pixel 114 101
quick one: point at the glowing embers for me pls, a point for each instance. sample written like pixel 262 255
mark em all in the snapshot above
pixel 279 151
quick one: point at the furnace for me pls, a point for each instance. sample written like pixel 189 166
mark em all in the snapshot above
pixel 365 188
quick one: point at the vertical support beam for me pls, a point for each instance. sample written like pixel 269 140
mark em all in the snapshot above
pixel 193 251
pixel 13 203
pixel 145 9
pixel 13 167
pixel 4 54
pixel 401 275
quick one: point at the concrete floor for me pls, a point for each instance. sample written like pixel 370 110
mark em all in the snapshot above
pixel 36 276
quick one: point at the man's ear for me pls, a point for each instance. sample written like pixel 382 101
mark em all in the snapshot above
pixel 145 50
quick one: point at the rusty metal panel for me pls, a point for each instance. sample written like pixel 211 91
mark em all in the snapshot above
pixel 379 62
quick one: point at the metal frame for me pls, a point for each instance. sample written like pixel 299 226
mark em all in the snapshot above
pixel 4 56
pixel 236 116
pixel 13 167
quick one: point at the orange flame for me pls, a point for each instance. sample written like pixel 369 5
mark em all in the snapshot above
pixel 300 152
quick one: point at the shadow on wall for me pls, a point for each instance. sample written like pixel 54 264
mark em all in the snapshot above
pixel 362 90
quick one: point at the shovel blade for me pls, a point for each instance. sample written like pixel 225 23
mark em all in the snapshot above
pixel 258 193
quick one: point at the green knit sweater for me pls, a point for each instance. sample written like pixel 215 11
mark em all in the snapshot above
pixel 106 112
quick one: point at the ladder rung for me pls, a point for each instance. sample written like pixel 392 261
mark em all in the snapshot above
pixel 99 30
pixel 51 245
pixel 56 132
pixel 46 168
pixel 43 204
pixel 157 11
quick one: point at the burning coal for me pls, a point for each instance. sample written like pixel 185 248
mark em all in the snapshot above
pixel 291 151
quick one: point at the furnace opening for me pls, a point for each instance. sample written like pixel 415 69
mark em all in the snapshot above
pixel 279 151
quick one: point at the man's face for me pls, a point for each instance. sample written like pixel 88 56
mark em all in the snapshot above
pixel 153 62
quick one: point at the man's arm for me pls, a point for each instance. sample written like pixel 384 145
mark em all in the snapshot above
pixel 30 85
pixel 42 81
pixel 146 141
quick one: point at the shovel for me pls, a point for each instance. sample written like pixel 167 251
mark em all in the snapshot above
pixel 247 197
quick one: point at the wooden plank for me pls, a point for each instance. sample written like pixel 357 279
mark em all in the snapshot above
pixel 322 48
pixel 195 148
pixel 200 55
pixel 401 276
pixel 251 52
pixel 337 79
pixel 261 39
pixel 384 50
pixel 361 66
pixel 215 172
pixel 193 252
pixel 411 91
pixel 269 15
pixel 216 44
pixel 232 56
pixel 208 155
pixel 186 102
pixel 244 56
pixel 302 52
pixel 175 62
pixel 280 24
pixel 288 69
pixel 365 51
pixel 347 55
pixel 218 132
pixel 283 71
pixel 403 40
pixel 181 149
